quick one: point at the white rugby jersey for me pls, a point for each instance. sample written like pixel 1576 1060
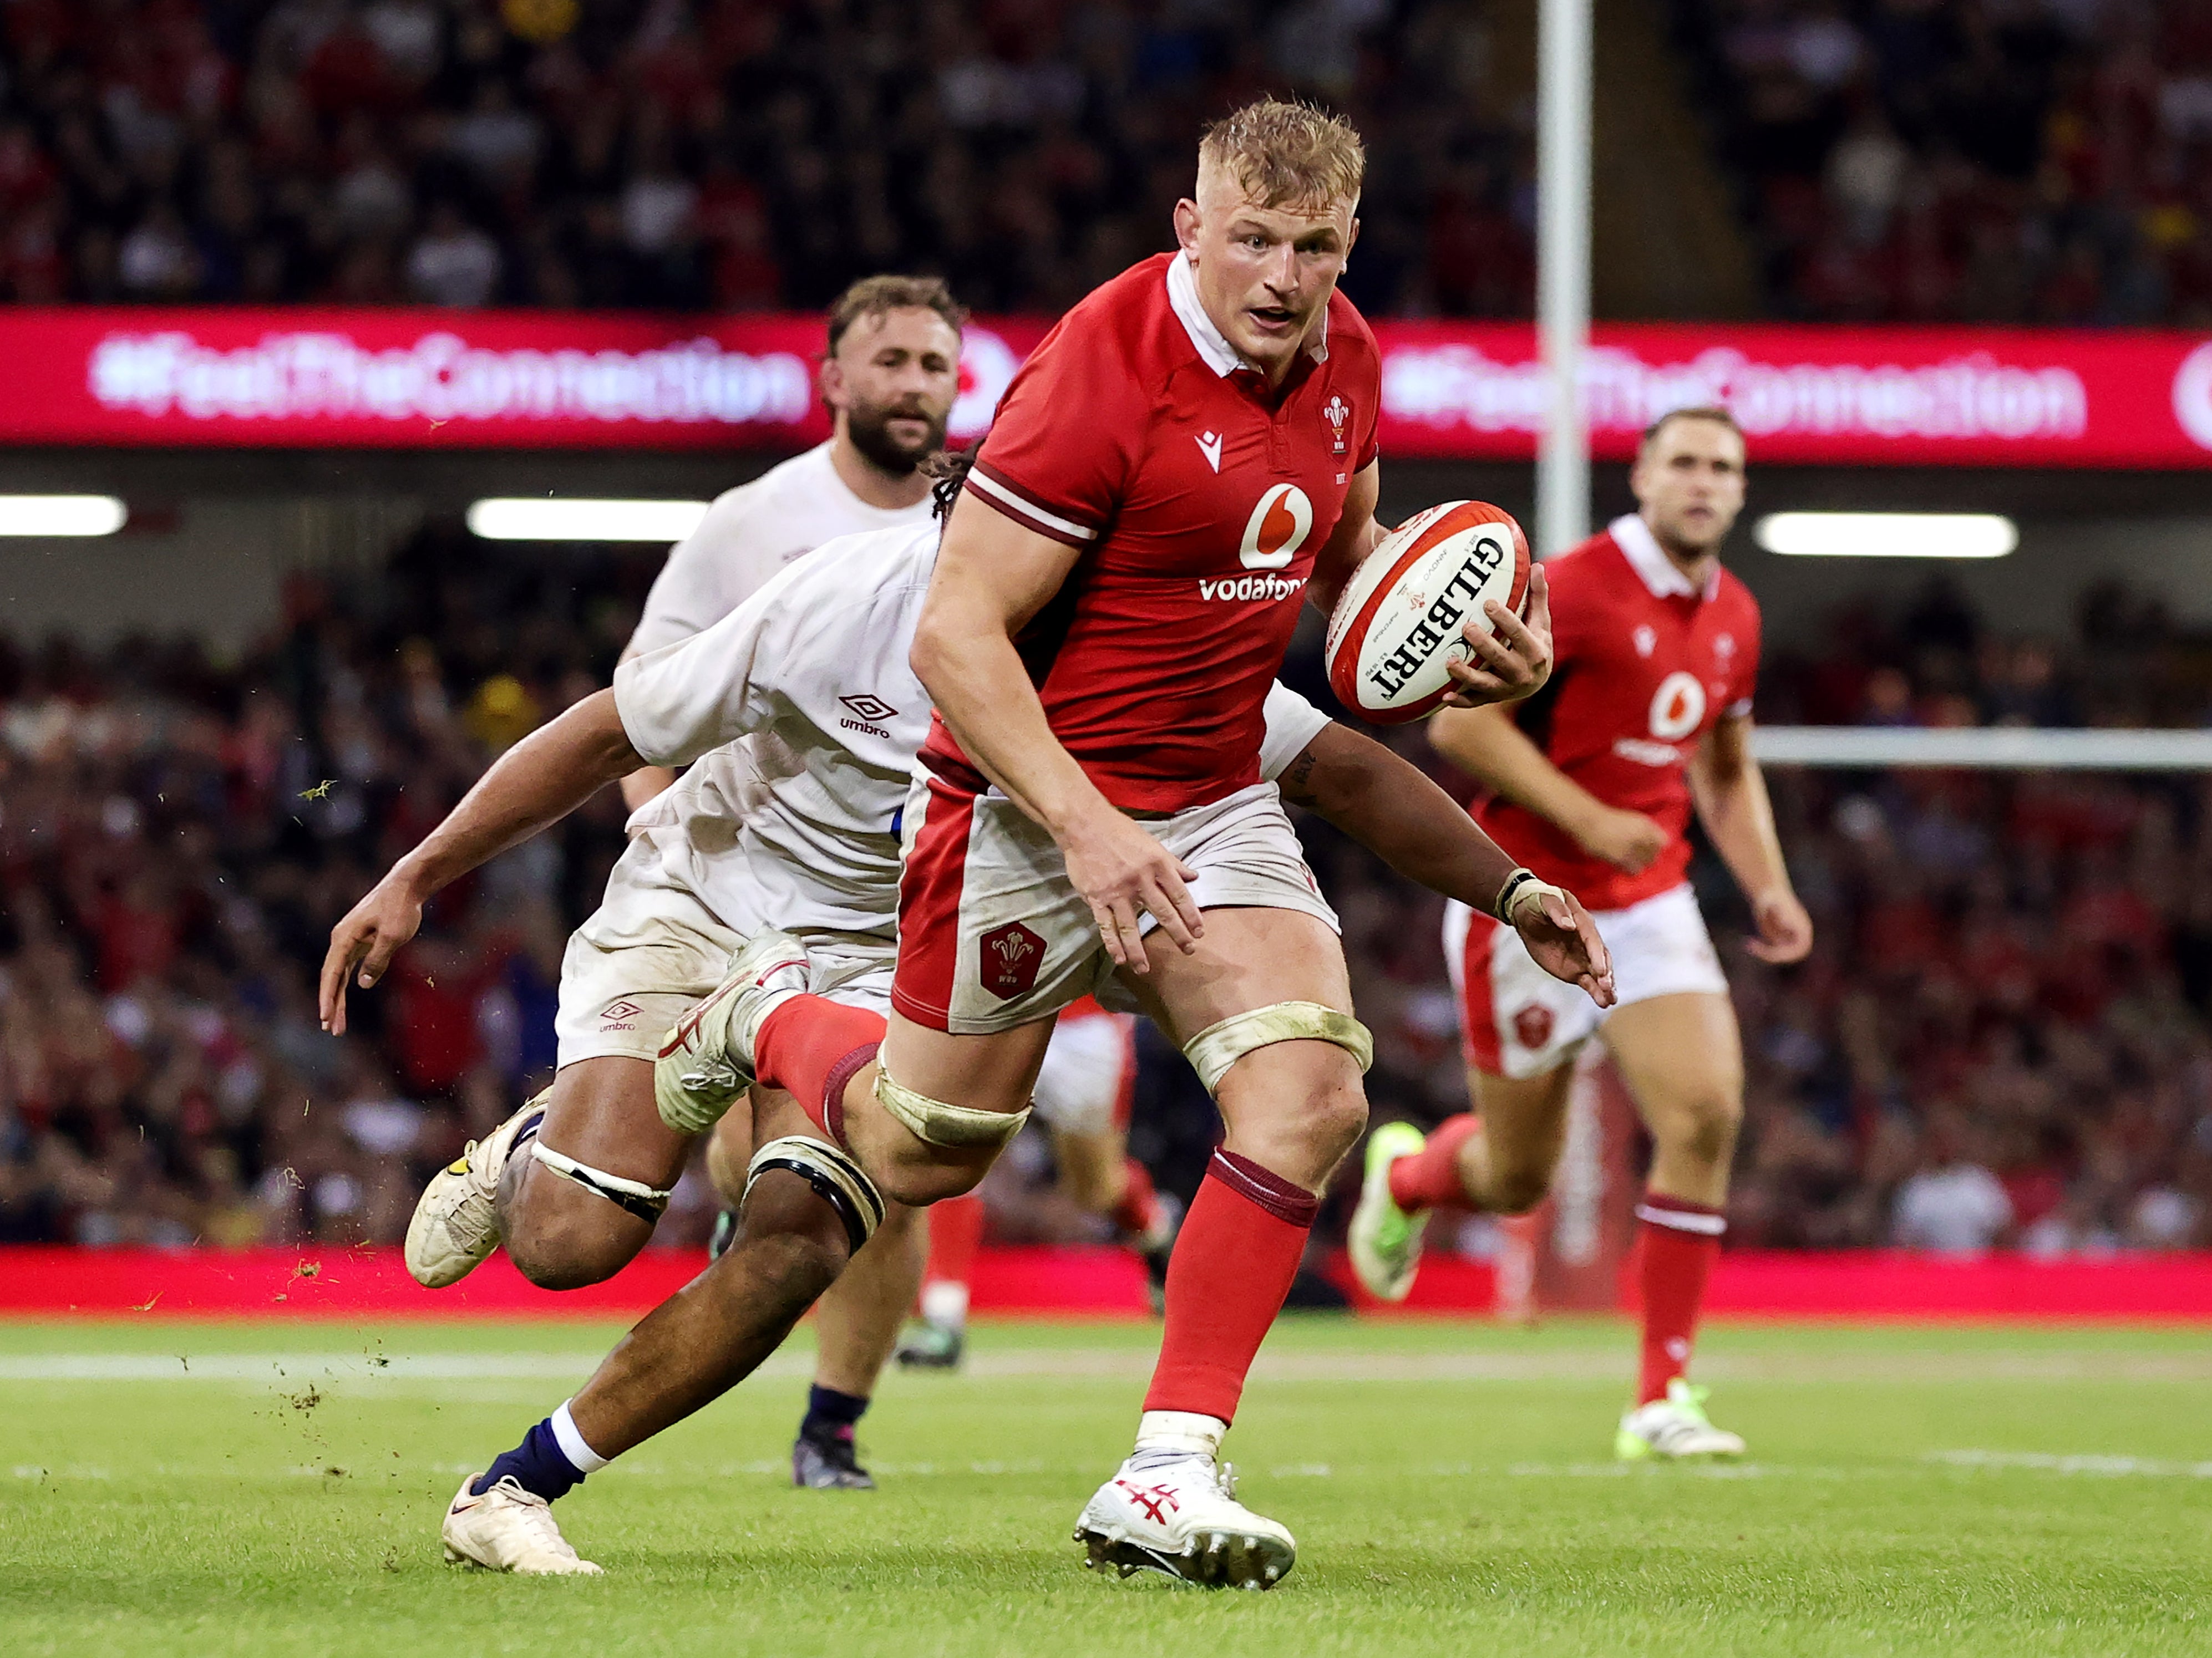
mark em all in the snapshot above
pixel 748 534
pixel 812 669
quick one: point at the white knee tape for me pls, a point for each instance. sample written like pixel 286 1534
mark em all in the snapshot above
pixel 1215 1048
pixel 940 1124
pixel 834 1174
pixel 635 1197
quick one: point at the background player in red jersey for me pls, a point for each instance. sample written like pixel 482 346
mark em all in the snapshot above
pixel 1188 456
pixel 1592 781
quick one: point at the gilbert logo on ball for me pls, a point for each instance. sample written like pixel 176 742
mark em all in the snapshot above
pixel 1404 613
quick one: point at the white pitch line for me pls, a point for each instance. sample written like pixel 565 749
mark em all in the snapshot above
pixel 2107 1467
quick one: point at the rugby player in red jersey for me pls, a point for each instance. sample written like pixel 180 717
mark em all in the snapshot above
pixel 1189 456
pixel 1646 716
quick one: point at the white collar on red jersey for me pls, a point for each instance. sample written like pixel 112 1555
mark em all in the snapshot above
pixel 1648 560
pixel 1213 346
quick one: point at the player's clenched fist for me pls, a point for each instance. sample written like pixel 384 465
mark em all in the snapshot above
pixel 1123 874
pixel 366 939
pixel 1510 663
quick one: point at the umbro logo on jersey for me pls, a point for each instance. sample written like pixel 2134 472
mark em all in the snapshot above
pixel 1209 445
pixel 870 709
pixel 1647 640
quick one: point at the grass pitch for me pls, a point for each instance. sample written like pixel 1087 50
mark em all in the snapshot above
pixel 273 1488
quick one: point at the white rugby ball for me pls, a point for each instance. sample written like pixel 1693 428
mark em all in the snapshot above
pixel 1404 612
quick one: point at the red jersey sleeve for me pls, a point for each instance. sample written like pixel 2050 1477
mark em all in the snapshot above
pixel 1744 682
pixel 1064 442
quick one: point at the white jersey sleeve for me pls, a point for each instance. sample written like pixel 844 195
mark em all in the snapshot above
pixel 711 687
pixel 712 571
pixel 1292 724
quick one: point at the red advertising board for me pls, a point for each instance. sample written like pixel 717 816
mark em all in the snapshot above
pixel 414 378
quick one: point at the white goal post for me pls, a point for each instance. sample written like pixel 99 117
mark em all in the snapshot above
pixel 1981 748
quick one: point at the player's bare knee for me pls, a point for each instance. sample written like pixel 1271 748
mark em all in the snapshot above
pixel 1333 1117
pixel 1707 1126
pixel 565 1250
pixel 792 1243
pixel 1093 1189
pixel 918 1173
pixel 1517 1191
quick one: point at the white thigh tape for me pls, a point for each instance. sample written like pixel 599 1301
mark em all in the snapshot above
pixel 1215 1048
pixel 837 1178
pixel 635 1197
pixel 940 1124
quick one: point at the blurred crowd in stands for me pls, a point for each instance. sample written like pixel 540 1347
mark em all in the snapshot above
pixel 1990 161
pixel 737 154
pixel 1998 160
pixel 2000 1039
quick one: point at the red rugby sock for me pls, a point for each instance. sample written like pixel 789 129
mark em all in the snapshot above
pixel 956 1234
pixel 1429 1177
pixel 1681 1240
pixel 1233 1263
pixel 1139 1211
pixel 811 1048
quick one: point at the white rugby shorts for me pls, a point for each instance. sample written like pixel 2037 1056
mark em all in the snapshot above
pixel 992 935
pixel 1519 1021
pixel 1089 1077
pixel 653 948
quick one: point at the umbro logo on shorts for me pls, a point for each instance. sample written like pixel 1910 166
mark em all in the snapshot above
pixel 618 1016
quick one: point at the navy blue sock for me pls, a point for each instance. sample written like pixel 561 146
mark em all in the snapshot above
pixel 538 1465
pixel 831 1414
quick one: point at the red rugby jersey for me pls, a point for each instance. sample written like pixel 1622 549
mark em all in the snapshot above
pixel 1645 664
pixel 1199 496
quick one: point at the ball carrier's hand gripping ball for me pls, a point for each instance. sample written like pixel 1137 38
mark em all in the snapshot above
pixel 1404 612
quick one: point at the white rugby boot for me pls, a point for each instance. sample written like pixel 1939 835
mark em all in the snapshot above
pixel 1384 1242
pixel 456 1220
pixel 707 1061
pixel 508 1529
pixel 1182 1520
pixel 1673 1429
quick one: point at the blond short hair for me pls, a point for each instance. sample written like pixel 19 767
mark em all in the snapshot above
pixel 1286 155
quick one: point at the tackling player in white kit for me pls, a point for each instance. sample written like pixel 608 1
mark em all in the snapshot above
pixel 818 853
pixel 889 377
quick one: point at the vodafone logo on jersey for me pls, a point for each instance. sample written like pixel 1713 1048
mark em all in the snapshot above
pixel 1279 527
pixel 1678 706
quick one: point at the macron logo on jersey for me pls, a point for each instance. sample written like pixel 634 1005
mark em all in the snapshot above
pixel 1209 445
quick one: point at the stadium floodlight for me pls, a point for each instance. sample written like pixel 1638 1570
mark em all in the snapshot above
pixel 1888 535
pixel 551 518
pixel 61 515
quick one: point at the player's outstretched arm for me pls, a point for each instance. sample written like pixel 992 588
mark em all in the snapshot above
pixel 1730 791
pixel 1384 802
pixel 992 576
pixel 535 784
pixel 1486 744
